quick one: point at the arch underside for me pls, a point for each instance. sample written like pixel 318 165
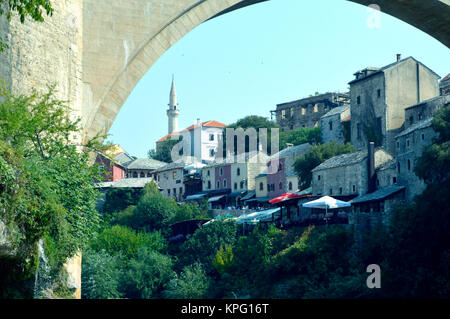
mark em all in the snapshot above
pixel 119 51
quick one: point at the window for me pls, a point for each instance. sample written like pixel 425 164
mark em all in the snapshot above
pixel 281 185
pixel 280 166
pixel 283 114
pixel 358 131
pixel 181 190
pixel 218 184
pixel 340 190
pixel 235 185
pixel 221 171
pixel 411 120
pixel 149 175
pixel 261 186
pixel 268 187
pixel 378 93
pixel 174 175
pixel 208 173
pixel 211 137
pixel 211 152
pixel 409 165
pixel 358 100
pixel 303 111
pixel 379 130
pixel 398 167
pixel 242 184
pixel 135 174
pixel 407 143
pixel 394 180
pixel 318 177
pixel 398 145
pixel 290 186
pixel 330 125
pixel 168 192
pixel 209 184
pixel 423 137
pixel 238 172
pixel 316 108
pixel 224 183
pixel 354 188
pixel 175 191
pixel 142 174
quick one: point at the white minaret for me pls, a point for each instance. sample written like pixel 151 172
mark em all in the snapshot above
pixel 172 112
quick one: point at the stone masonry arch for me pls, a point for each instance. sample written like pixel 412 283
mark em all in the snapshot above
pixel 103 100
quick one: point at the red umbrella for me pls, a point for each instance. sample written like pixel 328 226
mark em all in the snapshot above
pixel 296 195
pixel 280 198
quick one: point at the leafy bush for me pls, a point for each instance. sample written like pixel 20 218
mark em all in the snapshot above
pixel 193 283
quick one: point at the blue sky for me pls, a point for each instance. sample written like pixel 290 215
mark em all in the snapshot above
pixel 245 62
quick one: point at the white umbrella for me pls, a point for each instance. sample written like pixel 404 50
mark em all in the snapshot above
pixel 326 202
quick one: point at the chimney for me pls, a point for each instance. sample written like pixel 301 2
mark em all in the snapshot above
pixel 371 178
pixel 399 57
pixel 198 122
pixel 288 145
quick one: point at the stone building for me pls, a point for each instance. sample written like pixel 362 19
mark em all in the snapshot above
pixel 170 179
pixel 142 167
pixel 347 174
pixel 379 97
pixel 444 85
pixel 410 143
pixel 307 112
pixel 332 124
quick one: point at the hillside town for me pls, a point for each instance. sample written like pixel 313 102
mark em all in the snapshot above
pixel 386 116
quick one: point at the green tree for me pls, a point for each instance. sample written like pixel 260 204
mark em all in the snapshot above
pixel 312 135
pixel 101 275
pixel 192 283
pixel 317 155
pixel 204 243
pixel 256 122
pixel 223 259
pixel 46 181
pixel 163 150
pixel 126 241
pixel 148 274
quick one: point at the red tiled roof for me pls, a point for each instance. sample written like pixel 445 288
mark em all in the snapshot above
pixel 446 78
pixel 207 124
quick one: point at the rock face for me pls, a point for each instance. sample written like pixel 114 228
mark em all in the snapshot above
pixel 5 241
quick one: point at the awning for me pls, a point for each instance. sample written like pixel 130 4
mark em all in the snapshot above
pixel 235 194
pixel 215 198
pixel 379 194
pixel 196 196
pixel 257 216
pixel 258 199
pixel 249 195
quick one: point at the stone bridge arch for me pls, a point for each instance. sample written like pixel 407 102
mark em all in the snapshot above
pixel 120 45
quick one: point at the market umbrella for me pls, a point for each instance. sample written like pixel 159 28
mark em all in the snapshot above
pixel 326 202
pixel 279 198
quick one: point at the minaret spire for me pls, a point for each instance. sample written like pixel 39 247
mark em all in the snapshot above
pixel 173 112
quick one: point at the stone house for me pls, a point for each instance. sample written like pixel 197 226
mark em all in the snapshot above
pixel 142 167
pixel 348 174
pixel 410 143
pixel 379 97
pixel 307 112
pixel 170 179
pixel 332 124
pixel 444 85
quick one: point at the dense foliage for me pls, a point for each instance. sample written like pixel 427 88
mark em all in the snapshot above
pixel 163 150
pixel 46 181
pixel 311 135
